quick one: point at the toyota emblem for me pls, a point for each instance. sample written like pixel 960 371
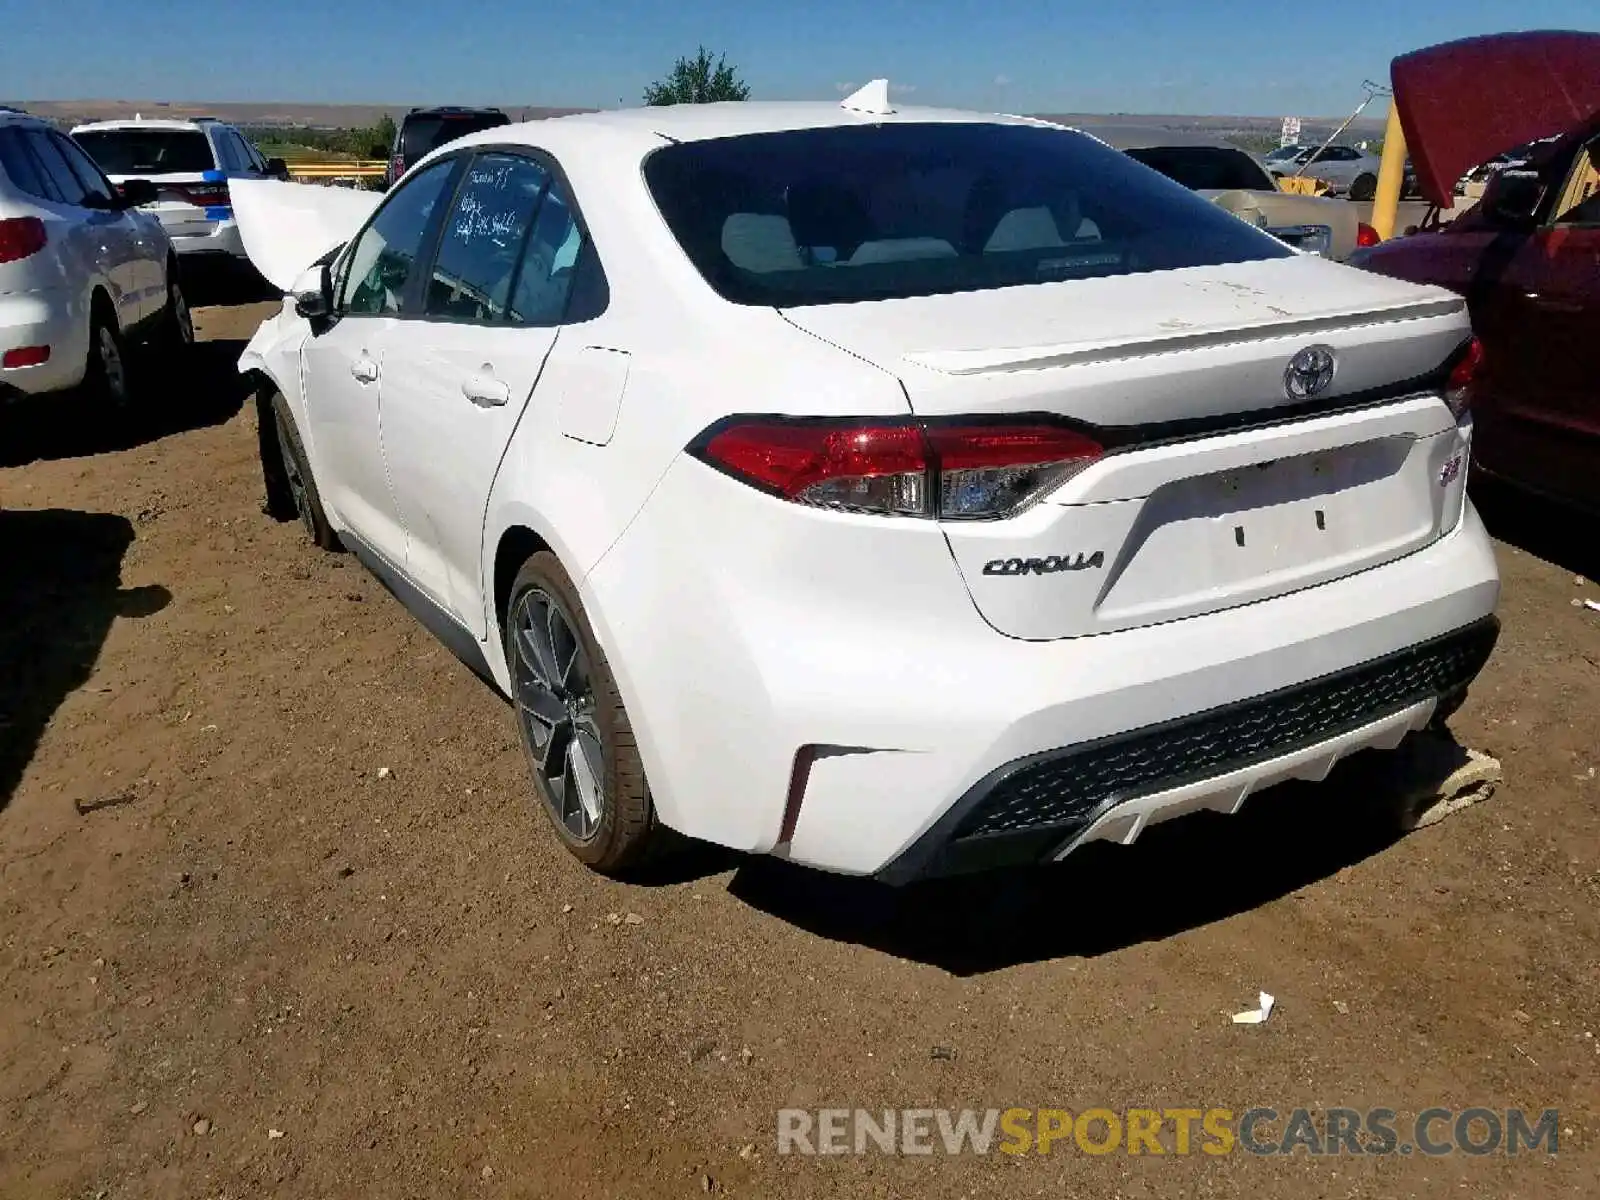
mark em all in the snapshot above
pixel 1309 373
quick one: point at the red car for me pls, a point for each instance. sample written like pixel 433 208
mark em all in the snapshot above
pixel 1527 256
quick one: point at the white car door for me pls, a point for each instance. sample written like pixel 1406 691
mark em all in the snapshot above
pixel 138 250
pixel 452 395
pixel 344 362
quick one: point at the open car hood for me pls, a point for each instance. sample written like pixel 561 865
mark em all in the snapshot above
pixel 1463 102
pixel 286 227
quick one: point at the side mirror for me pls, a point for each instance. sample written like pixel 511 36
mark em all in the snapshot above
pixel 1512 198
pixel 132 193
pixel 277 168
pixel 315 302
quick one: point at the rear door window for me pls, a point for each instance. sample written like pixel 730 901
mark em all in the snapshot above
pixel 67 184
pixel 22 169
pixel 864 212
pixel 480 250
pixel 148 152
pixel 95 185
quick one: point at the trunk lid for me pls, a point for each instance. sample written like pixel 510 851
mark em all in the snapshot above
pixel 1463 102
pixel 1218 489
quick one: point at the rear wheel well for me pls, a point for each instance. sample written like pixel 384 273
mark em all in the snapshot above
pixel 100 306
pixel 517 545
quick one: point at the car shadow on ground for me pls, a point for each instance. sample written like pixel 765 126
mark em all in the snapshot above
pixel 221 279
pixel 1179 875
pixel 1541 527
pixel 60 591
pixel 203 387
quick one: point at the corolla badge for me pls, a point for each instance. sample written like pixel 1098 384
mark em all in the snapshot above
pixel 1044 566
pixel 1309 373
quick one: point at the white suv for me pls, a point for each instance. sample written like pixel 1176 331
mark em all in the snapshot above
pixel 82 271
pixel 190 162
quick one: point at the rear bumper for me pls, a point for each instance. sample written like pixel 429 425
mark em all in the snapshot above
pixel 821 687
pixel 223 238
pixel 1045 806
pixel 43 318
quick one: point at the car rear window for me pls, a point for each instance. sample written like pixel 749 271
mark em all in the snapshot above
pixel 865 212
pixel 147 151
pixel 424 133
pixel 1205 168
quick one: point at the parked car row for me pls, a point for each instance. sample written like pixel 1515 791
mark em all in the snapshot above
pixel 93 229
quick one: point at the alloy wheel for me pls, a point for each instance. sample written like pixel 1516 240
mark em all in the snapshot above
pixel 112 368
pixel 182 318
pixel 295 476
pixel 555 703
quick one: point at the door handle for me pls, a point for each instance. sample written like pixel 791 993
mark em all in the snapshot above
pixel 485 390
pixel 365 370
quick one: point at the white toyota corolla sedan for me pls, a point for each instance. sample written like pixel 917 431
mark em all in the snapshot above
pixel 897 492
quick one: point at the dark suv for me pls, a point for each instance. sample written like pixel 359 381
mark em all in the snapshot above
pixel 425 129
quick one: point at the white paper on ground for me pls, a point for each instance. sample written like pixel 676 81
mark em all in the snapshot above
pixel 1256 1016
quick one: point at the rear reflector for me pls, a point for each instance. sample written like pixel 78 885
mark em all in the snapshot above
pixel 1465 376
pixel 955 472
pixel 21 237
pixel 25 356
pixel 1366 235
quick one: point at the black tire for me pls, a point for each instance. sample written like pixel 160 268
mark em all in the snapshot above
pixel 107 376
pixel 176 333
pixel 625 832
pixel 297 477
pixel 1364 188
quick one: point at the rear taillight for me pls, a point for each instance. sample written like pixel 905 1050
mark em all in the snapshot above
pixel 1464 378
pixel 397 168
pixel 21 237
pixel 1366 235
pixel 25 356
pixel 956 472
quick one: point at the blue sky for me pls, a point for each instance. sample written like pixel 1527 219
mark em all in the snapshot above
pixel 1166 56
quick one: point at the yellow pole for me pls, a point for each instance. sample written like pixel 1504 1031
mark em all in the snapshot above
pixel 1391 173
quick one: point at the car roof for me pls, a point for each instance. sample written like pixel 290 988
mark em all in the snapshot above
pixel 640 130
pixel 439 110
pixel 18 116
pixel 195 125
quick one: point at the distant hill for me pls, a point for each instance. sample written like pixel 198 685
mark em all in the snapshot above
pixel 287 114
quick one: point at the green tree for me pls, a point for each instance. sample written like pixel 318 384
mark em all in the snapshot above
pixel 383 136
pixel 698 80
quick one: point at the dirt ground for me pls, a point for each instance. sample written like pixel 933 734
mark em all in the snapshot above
pixel 310 895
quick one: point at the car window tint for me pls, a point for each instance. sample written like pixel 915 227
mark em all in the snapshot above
pixel 20 167
pixel 49 158
pixel 1205 168
pixel 483 238
pixel 147 151
pixel 241 151
pixel 424 132
pixel 863 212
pixel 382 260
pixel 94 183
pixel 548 263
pixel 227 151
